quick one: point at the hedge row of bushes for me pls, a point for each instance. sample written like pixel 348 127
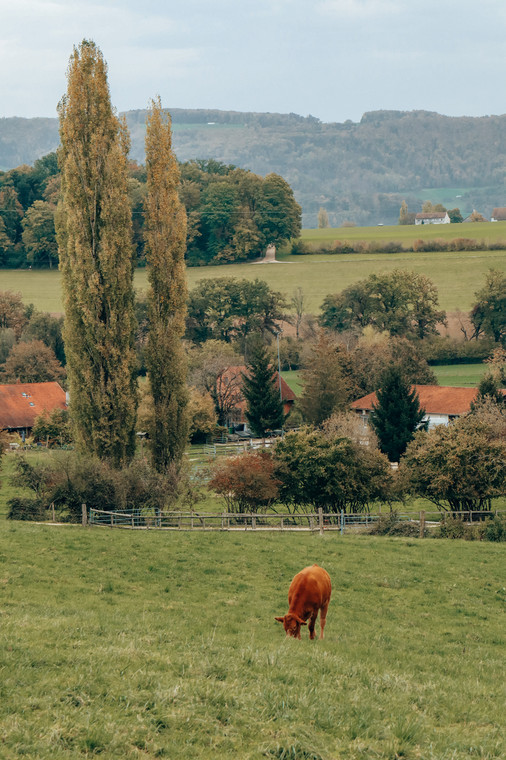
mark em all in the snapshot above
pixel 490 529
pixel 303 247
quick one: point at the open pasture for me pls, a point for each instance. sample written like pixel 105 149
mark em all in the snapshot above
pixel 141 645
pixel 490 232
pixel 457 275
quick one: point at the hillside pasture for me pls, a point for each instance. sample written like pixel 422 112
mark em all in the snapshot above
pixel 457 275
pixel 489 232
pixel 149 645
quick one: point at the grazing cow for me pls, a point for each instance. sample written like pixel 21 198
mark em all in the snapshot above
pixel 309 593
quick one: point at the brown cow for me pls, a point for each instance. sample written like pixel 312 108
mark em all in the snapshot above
pixel 309 593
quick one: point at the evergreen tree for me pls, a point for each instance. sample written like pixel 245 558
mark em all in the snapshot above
pixel 397 415
pixel 94 236
pixel 165 234
pixel 261 390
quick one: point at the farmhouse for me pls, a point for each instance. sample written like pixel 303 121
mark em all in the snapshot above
pixel 21 403
pixel 498 215
pixel 434 217
pixel 442 404
pixel 228 389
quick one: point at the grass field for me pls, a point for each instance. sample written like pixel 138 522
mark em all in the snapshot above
pixel 490 232
pixel 148 645
pixel 457 275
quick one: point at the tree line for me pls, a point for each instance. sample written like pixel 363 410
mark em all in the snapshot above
pixel 232 214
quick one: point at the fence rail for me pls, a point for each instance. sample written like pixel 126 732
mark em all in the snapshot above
pixel 146 519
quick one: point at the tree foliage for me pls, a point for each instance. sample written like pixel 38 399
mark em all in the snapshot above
pixel 332 473
pixel 459 467
pixel 94 231
pixel 325 384
pixel 246 482
pixel 165 246
pixel 397 415
pixel 489 313
pixel 32 362
pixel 261 391
pixel 401 302
pixel 230 309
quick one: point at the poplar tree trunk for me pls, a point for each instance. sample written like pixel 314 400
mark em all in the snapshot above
pixel 165 235
pixel 96 260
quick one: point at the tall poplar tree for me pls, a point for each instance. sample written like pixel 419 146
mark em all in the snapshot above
pixel 94 235
pixel 165 234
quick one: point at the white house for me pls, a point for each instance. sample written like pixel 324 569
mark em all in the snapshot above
pixel 433 217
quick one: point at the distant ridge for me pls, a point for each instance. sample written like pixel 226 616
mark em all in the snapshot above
pixel 360 172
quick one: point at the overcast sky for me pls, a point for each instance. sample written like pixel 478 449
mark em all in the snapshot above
pixel 334 59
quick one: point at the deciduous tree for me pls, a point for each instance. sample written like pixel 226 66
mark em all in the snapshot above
pixel 32 362
pixel 165 246
pixel 94 231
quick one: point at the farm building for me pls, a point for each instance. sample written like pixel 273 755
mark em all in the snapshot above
pixel 228 388
pixel 498 215
pixel 21 403
pixel 434 217
pixel 442 404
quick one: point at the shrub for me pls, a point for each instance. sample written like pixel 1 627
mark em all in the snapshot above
pixel 246 482
pixel 390 525
pixel 25 508
pixel 494 529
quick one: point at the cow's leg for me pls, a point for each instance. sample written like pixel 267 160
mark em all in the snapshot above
pixel 323 618
pixel 312 623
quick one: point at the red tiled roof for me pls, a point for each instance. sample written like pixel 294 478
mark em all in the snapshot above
pixel 21 403
pixel 435 399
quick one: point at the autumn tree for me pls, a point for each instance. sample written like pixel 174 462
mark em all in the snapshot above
pixel 215 368
pixel 32 362
pixel 94 235
pixel 323 218
pixel 165 234
pixel 325 387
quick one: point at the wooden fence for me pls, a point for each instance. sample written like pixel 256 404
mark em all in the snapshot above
pixel 316 522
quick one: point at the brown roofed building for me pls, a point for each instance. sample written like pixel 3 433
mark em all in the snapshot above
pixel 232 378
pixel 498 215
pixel 21 403
pixel 442 403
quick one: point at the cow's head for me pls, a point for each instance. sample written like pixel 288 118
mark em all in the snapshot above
pixel 291 624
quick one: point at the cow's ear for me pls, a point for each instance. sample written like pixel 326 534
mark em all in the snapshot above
pixel 280 619
pixel 299 620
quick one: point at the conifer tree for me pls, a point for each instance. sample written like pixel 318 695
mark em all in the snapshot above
pixel 165 234
pixel 397 415
pixel 264 410
pixel 94 235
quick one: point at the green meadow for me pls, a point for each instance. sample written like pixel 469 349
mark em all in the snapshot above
pixel 457 275
pixel 489 232
pixel 147 645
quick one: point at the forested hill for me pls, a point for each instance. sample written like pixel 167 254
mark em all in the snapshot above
pixel 359 172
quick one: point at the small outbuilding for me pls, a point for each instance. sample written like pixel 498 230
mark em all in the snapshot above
pixel 21 404
pixel 498 215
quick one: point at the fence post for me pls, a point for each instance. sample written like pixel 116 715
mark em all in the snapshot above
pixel 422 523
pixel 52 511
pixel 320 520
pixel 84 515
pixel 311 523
pixel 253 523
pixel 342 522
